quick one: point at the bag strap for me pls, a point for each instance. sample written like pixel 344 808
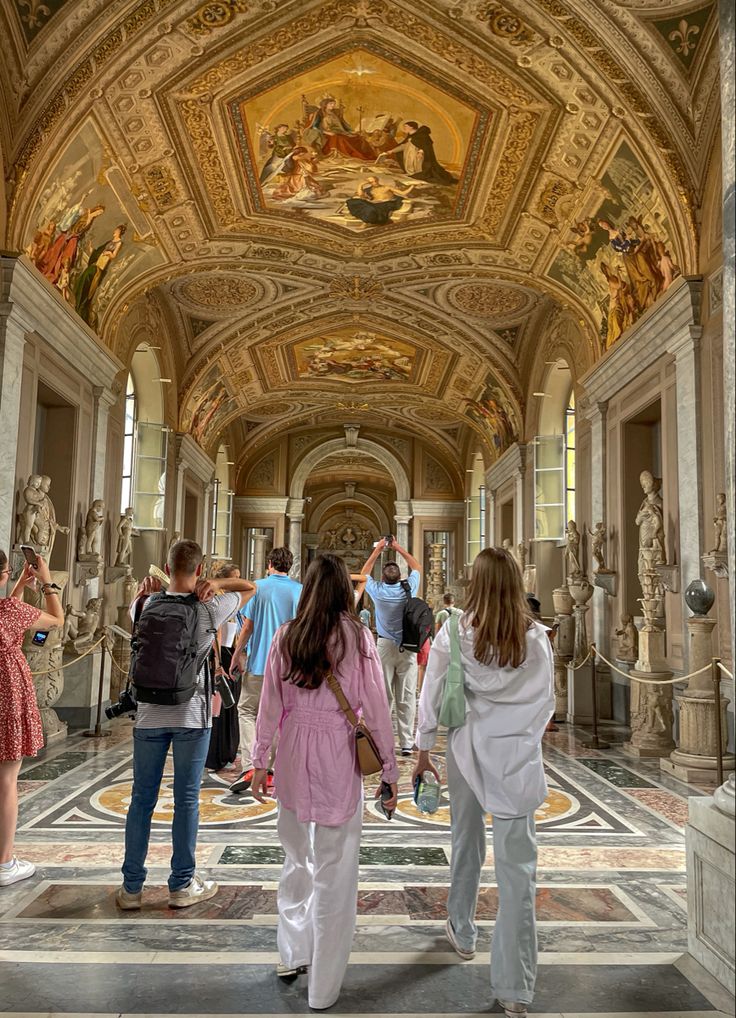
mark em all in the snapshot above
pixel 455 658
pixel 406 588
pixel 342 700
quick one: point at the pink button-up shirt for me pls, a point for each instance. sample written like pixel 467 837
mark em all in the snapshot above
pixel 316 771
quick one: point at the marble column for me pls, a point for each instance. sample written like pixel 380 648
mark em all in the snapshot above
pixel 402 520
pixel 259 556
pixel 179 504
pixel 295 514
pixel 206 534
pixel 695 758
pixel 13 331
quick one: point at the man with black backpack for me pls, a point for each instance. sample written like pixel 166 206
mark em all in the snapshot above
pixel 404 624
pixel 173 633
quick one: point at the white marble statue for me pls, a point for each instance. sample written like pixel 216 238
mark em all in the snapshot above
pixel 573 570
pixel 508 545
pixel 628 640
pixel 46 526
pixel 598 540
pixel 33 498
pixel 125 538
pixel 88 545
pixel 650 521
pixel 719 525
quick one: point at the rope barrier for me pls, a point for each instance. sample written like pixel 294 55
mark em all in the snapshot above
pixel 653 682
pixel 725 670
pixel 591 651
pixel 68 664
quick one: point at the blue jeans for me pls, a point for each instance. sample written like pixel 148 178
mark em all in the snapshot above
pixel 150 747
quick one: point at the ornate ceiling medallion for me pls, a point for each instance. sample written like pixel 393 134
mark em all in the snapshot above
pixel 218 293
pixel 488 300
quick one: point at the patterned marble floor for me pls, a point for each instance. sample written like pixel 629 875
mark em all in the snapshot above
pixel 611 900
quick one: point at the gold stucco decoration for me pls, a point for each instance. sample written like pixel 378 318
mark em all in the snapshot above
pixel 219 291
pixel 486 300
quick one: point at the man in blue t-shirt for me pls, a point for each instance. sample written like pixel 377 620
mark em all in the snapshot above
pixel 274 603
pixel 399 666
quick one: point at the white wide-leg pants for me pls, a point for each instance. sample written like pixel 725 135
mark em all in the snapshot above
pixel 400 675
pixel 318 900
pixel 514 946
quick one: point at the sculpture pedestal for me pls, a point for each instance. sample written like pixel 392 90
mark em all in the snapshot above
pixel 580 694
pixel 695 758
pixel 651 715
pixel 561 696
pixel 711 871
pixel 78 702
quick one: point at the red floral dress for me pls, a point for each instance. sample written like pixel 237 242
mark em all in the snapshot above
pixel 21 733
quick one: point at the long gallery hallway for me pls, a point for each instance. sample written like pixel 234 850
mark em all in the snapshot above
pixel 611 901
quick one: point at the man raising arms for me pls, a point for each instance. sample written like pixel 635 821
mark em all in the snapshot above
pixel 399 666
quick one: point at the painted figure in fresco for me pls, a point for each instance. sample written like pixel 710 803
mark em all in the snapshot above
pixel 621 309
pixel 667 267
pixel 63 251
pixel 645 280
pixel 494 414
pixel 277 147
pixel 90 281
pixel 206 411
pixel 374 202
pixel 415 155
pixel 298 177
pixel 330 134
pixel 583 232
pixel 41 242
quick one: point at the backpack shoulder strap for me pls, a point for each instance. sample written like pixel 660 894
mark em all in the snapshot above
pixel 405 587
pixel 347 710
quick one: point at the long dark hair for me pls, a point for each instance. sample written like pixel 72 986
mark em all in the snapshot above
pixel 314 642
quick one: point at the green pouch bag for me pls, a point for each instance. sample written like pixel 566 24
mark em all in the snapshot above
pixel 452 711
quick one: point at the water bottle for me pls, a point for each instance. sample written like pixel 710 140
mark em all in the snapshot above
pixel 428 793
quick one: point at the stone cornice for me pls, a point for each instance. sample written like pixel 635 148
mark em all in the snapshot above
pixel 260 504
pixel 438 507
pixel 189 455
pixel 512 462
pixel 663 329
pixel 41 309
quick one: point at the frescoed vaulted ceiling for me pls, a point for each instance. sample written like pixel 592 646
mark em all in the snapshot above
pixel 388 211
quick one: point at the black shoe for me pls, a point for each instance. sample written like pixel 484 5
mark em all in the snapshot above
pixel 407 752
pixel 243 783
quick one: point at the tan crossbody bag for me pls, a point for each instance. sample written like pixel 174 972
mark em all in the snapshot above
pixel 366 750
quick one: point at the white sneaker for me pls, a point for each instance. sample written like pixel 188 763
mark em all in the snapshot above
pixel 20 869
pixel 513 1010
pixel 465 953
pixel 196 890
pixel 127 901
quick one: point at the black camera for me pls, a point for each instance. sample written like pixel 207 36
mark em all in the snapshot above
pixel 389 539
pixel 126 705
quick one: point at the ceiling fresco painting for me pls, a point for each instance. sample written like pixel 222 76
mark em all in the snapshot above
pixel 355 355
pixel 210 401
pixel 618 258
pixel 357 142
pixel 83 240
pixel 495 415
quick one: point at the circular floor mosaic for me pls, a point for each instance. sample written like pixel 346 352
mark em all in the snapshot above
pixel 556 806
pixel 216 806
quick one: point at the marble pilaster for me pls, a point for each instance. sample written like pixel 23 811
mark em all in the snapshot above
pixel 259 556
pixel 12 340
pixel 601 621
pixel 295 514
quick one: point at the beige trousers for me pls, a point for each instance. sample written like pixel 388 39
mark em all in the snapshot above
pixel 250 698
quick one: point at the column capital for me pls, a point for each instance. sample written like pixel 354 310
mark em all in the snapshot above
pixel 295 508
pixel 686 342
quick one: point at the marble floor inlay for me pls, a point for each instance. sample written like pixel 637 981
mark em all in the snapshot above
pixel 611 899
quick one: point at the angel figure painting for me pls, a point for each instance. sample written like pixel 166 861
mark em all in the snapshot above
pixel 355 356
pixel 619 258
pixel 207 403
pixel 357 143
pixel 494 412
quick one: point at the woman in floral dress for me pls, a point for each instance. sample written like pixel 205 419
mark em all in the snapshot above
pixel 20 722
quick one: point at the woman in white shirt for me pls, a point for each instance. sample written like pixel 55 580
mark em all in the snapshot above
pixel 494 765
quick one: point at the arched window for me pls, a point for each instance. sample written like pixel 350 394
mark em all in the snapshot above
pixel 570 456
pixel 126 493
pixel 145 442
pixel 222 506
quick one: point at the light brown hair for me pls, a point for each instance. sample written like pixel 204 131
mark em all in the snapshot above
pixel 227 571
pixel 184 557
pixel 497 608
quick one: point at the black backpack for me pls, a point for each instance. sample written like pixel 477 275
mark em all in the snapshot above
pixel 417 623
pixel 164 663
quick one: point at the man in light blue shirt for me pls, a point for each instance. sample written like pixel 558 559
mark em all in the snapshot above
pixel 399 666
pixel 275 602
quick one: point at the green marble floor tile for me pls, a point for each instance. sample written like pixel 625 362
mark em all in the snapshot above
pixel 370 855
pixel 619 776
pixel 50 769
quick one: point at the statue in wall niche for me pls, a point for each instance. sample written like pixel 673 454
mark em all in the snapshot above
pixel 719 525
pixel 33 497
pixel 88 543
pixel 125 538
pixel 331 540
pixel 46 527
pixel 572 552
pixel 508 545
pixel 650 521
pixel 598 540
pixel 628 640
pixel 349 537
pixel 81 626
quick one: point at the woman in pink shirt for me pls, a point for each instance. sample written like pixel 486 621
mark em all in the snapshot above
pixel 318 783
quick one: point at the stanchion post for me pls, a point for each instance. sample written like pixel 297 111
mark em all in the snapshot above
pixel 716 676
pixel 595 742
pixel 98 732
